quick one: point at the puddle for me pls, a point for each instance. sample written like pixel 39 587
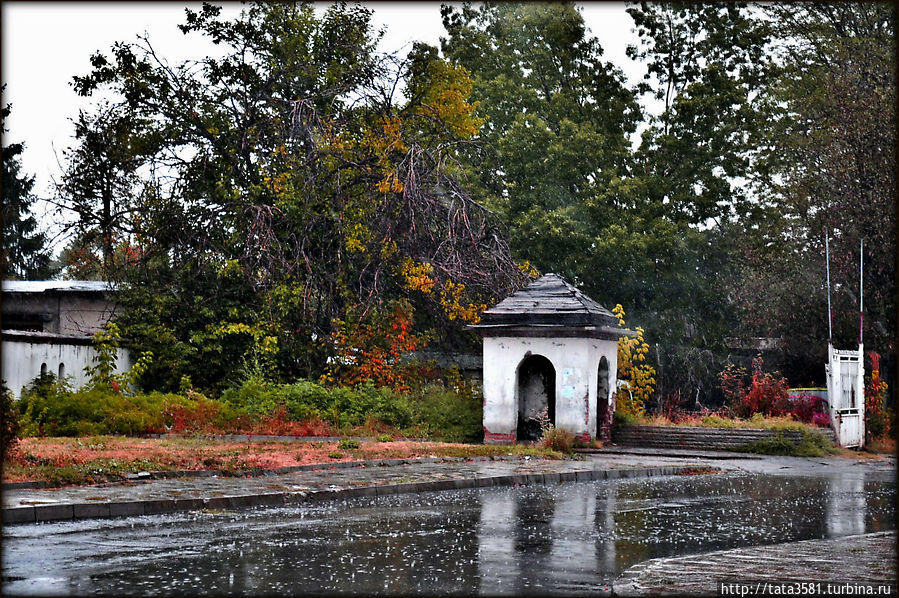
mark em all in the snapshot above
pixel 570 538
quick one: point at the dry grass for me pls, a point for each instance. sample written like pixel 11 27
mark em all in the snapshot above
pixel 884 445
pixel 92 459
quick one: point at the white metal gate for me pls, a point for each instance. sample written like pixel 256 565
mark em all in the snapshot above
pixel 846 394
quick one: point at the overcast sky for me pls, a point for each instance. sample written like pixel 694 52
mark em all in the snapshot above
pixel 44 44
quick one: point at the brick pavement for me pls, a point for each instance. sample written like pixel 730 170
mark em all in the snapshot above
pixel 861 558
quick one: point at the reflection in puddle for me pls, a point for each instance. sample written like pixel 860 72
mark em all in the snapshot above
pixel 565 539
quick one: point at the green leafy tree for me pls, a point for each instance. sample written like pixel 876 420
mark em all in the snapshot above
pixel 283 184
pixel 24 252
pixel 557 124
pixel 97 187
pixel 831 156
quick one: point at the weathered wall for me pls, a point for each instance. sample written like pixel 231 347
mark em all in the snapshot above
pixel 67 313
pixel 576 362
pixel 22 361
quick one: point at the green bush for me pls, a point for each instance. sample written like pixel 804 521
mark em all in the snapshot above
pixel 348 444
pixel 50 408
pixel 254 397
pixel 813 444
pixel 619 418
pixel 9 421
pixel 448 415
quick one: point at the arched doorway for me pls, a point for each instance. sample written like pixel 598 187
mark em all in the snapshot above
pixel 603 417
pixel 536 396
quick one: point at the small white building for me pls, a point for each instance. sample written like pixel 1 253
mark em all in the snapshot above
pixel 551 354
pixel 47 328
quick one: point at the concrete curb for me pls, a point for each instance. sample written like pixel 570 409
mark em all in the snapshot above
pixel 72 511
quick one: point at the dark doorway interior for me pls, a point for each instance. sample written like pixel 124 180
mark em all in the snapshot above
pixel 536 396
pixel 603 417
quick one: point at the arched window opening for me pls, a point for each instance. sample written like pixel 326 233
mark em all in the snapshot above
pixel 536 396
pixel 62 371
pixel 43 370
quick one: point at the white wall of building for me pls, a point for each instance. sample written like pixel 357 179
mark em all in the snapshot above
pixel 576 363
pixel 22 362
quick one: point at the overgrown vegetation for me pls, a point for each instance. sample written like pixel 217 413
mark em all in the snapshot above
pixel 50 408
pixel 282 250
pixel 813 444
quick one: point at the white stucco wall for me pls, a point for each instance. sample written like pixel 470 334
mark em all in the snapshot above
pixel 22 362
pixel 576 363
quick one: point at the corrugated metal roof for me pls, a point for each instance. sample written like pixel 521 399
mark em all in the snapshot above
pixel 57 286
pixel 548 301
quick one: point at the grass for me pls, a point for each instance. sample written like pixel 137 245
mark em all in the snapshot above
pixel 812 444
pixel 884 445
pixel 73 461
pixel 757 421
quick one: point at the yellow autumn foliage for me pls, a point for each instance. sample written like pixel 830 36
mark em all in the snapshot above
pixel 417 276
pixel 455 308
pixel 632 353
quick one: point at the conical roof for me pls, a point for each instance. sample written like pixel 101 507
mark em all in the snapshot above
pixel 549 301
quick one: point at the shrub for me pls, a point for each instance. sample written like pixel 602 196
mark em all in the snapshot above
pixel 877 414
pixel 9 421
pixel 51 408
pixel 733 384
pixel 620 418
pixel 766 394
pixel 640 376
pixel 557 439
pixel 809 409
pixel 348 444
pixel 253 396
pixel 385 438
pixel 448 415
pixel 813 444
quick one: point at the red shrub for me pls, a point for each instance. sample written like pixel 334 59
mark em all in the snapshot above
pixel 804 408
pixel 672 407
pixel 822 420
pixel 767 394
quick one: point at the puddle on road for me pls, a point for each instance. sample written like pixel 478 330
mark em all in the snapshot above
pixel 572 538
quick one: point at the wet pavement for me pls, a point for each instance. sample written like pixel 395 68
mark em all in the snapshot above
pixel 153 496
pixel 157 496
pixel 866 558
pixel 498 527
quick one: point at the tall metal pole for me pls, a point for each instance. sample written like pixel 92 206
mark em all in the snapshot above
pixel 829 311
pixel 861 290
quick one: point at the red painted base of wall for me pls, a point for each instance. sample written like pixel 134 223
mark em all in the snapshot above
pixel 498 437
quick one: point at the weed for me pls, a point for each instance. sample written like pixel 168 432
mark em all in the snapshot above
pixel 385 438
pixel 348 444
pixel 812 444
pixel 558 440
pixel 335 455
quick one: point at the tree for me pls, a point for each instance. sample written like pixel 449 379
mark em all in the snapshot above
pixel 285 188
pixel 831 156
pixel 98 186
pixel 556 128
pixel 25 254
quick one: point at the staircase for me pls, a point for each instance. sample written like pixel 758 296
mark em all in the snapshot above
pixel 683 437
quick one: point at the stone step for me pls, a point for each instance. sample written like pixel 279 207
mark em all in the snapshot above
pixel 691 437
